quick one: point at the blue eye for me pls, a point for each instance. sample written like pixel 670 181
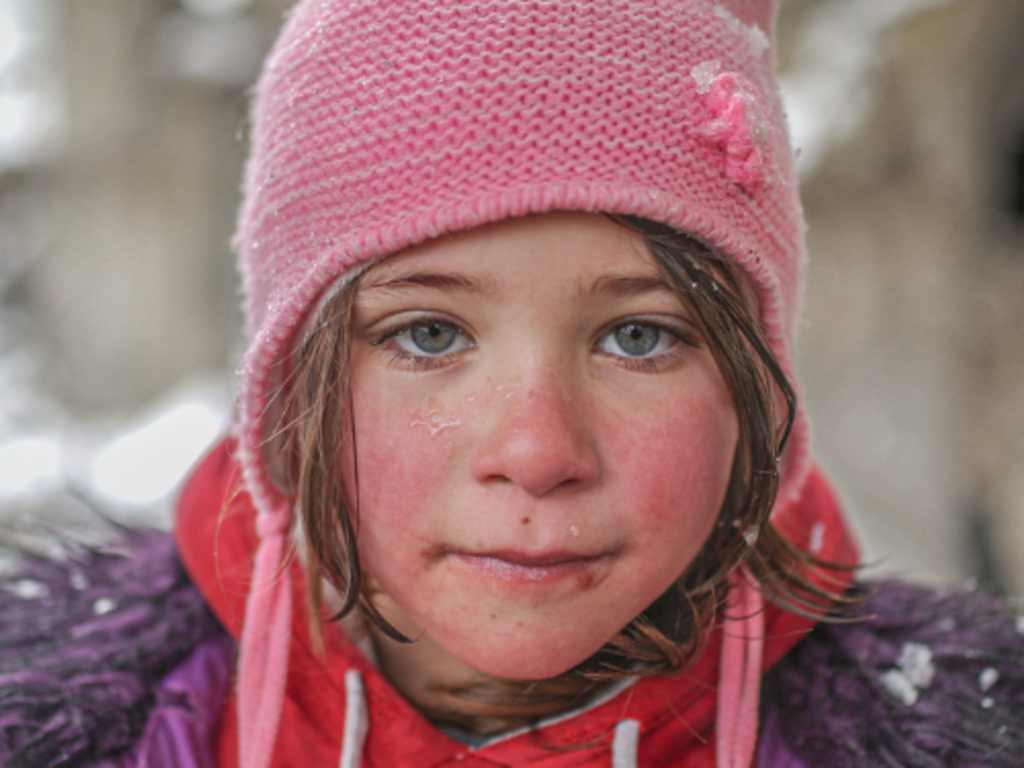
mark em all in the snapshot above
pixel 636 340
pixel 431 338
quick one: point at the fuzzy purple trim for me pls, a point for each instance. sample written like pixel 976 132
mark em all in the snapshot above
pixel 935 678
pixel 84 642
pixel 182 726
pixel 772 749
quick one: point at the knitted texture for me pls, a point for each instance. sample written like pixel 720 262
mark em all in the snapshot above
pixel 378 125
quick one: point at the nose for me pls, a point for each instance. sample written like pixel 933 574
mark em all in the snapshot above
pixel 536 437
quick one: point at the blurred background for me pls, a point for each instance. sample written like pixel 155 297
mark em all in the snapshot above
pixel 122 127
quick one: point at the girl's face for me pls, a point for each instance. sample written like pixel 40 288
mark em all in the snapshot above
pixel 543 438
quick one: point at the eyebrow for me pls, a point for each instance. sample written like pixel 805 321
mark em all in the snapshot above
pixel 626 286
pixel 439 281
pixel 613 286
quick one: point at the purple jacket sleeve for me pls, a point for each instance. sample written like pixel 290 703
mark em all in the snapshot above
pixel 772 751
pixel 183 723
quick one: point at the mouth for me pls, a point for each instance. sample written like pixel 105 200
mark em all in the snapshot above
pixel 522 568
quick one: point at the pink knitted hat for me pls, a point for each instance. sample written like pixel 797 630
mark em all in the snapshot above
pixel 380 124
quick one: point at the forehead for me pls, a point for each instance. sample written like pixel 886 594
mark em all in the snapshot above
pixel 535 250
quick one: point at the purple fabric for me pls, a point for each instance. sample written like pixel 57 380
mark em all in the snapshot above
pixel 182 725
pixel 772 749
pixel 85 640
pixel 930 678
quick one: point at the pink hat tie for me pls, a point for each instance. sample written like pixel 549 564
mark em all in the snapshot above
pixel 739 681
pixel 263 669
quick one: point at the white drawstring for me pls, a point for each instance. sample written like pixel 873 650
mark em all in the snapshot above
pixel 356 721
pixel 625 744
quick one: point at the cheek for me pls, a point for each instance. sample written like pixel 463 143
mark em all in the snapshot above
pixel 676 463
pixel 402 452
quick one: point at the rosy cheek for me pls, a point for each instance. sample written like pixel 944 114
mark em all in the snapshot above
pixel 677 467
pixel 402 451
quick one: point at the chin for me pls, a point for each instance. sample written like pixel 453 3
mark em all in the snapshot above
pixel 529 671
pixel 529 661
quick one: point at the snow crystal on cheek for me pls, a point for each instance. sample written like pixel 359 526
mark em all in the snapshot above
pixel 433 417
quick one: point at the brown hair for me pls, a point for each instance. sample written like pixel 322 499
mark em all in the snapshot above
pixel 670 634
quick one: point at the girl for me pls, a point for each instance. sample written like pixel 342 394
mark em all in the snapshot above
pixel 519 411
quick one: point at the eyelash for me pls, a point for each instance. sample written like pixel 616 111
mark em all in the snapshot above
pixel 425 362
pixel 404 358
pixel 666 360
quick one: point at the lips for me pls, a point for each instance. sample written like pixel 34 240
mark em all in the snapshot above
pixel 518 567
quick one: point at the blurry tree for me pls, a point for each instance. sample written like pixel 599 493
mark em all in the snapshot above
pixel 911 351
pixel 134 286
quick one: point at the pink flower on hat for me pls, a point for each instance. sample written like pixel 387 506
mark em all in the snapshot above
pixel 741 128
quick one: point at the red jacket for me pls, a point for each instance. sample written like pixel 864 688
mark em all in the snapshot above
pixel 675 715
